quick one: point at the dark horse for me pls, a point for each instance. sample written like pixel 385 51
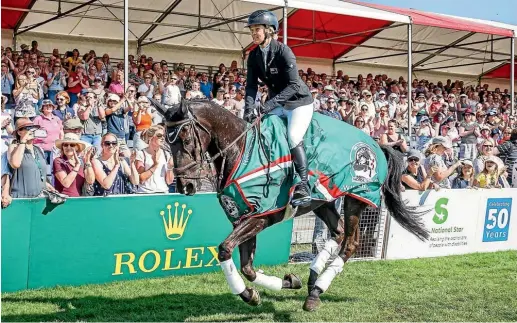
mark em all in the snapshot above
pixel 200 132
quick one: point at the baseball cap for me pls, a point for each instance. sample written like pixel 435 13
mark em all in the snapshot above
pixel 113 97
pixel 424 119
pixel 413 153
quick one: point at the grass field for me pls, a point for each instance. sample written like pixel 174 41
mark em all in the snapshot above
pixel 476 287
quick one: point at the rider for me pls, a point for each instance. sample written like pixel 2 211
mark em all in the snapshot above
pixel 275 65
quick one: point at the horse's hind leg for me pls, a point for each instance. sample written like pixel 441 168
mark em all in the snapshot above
pixel 244 231
pixel 247 254
pixel 353 210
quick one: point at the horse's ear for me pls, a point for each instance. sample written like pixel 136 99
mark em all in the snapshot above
pixel 159 107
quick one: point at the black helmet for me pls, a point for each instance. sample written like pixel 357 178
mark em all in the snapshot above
pixel 263 17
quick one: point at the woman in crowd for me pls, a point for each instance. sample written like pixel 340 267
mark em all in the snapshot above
pixel 393 139
pixel 21 67
pixel 425 132
pixel 52 125
pixel 154 164
pixel 465 178
pixel 219 99
pixel 56 81
pixel 434 157
pixel 113 174
pixel 24 98
pixel 74 60
pixel 77 81
pixel 91 115
pixel 142 118
pixel 194 93
pixel 486 151
pixel 72 173
pixel 27 162
pixel 469 132
pixel 7 81
pixel 62 110
pixel 414 177
pixel 117 85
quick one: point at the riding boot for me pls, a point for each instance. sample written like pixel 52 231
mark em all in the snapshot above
pixel 302 194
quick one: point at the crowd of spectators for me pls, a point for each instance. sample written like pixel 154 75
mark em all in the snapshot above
pixel 71 125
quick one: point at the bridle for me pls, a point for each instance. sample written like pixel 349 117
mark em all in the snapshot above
pixel 200 157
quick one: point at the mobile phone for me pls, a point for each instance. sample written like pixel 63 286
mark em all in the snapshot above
pixel 40 133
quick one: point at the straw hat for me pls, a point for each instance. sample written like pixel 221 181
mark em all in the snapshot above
pixel 71 138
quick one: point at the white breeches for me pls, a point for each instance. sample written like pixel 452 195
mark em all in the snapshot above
pixel 298 121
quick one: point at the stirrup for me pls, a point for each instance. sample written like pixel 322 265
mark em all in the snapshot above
pixel 302 199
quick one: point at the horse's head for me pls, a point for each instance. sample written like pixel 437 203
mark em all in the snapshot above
pixel 189 140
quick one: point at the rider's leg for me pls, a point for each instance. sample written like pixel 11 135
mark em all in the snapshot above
pixel 298 121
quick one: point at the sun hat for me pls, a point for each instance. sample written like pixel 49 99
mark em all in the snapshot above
pixel 72 123
pixel 24 122
pixel 113 97
pixel 441 141
pixel 71 138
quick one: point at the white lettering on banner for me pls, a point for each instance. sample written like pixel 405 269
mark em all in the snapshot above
pixel 459 222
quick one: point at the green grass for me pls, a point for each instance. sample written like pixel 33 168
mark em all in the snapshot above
pixel 476 287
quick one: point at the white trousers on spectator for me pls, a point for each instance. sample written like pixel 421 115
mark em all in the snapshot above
pixel 468 151
pixel 298 121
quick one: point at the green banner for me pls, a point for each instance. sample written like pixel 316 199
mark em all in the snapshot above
pixel 97 240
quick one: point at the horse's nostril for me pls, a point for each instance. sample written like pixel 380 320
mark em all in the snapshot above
pixel 190 189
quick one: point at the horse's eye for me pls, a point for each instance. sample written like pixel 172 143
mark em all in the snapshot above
pixel 187 142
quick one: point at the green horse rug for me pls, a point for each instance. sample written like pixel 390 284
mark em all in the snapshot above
pixel 342 160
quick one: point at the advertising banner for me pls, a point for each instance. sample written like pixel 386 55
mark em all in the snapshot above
pixel 97 240
pixel 459 222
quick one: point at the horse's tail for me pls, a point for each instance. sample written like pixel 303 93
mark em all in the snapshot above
pixel 408 217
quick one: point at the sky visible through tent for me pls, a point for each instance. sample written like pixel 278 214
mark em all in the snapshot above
pixel 495 10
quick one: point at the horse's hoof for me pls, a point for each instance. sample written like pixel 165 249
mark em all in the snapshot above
pixel 295 282
pixel 311 303
pixel 254 298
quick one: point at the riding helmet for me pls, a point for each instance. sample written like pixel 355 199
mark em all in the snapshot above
pixel 263 17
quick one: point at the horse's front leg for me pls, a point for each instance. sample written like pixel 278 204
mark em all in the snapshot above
pixel 244 231
pixel 247 254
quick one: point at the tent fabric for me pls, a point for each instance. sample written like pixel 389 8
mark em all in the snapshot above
pixel 502 72
pixel 10 17
pixel 443 21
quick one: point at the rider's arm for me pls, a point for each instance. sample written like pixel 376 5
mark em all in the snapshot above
pixel 251 84
pixel 291 72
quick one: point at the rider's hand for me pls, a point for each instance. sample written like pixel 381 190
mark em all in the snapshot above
pixel 267 107
pixel 249 115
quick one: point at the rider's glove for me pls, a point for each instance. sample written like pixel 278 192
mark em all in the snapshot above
pixel 267 107
pixel 249 115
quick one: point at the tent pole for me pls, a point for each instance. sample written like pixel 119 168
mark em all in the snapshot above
pixel 285 22
pixel 512 77
pixel 126 43
pixel 409 76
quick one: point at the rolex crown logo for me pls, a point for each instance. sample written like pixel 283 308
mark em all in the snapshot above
pixel 175 227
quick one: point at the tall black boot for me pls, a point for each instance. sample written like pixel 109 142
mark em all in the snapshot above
pixel 302 194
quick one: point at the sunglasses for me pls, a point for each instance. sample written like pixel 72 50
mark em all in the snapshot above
pixel 227 80
pixel 368 96
pixel 110 143
pixel 69 145
pixel 159 135
pixel 413 160
pixel 60 99
pixel 488 146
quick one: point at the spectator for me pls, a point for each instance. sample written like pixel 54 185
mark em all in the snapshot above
pixel 63 111
pixel 414 177
pixel 7 81
pixel 146 89
pixel 27 162
pixel 434 157
pixel 116 112
pixel 206 85
pixel 70 172
pixel 77 81
pixel 465 179
pixel 24 98
pixel 219 99
pixel 393 139
pixel 74 61
pixel 194 93
pixel 91 115
pixel 117 85
pixel 330 109
pixel 142 118
pixel 508 153
pixel 53 127
pixel 113 174
pixel 6 120
pixel 425 132
pixel 172 94
pixel 56 81
pixel 154 165
pixel 489 176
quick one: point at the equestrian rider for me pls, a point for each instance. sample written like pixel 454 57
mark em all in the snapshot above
pixel 288 96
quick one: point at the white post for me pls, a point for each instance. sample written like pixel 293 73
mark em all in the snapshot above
pixel 126 43
pixel 512 77
pixel 285 22
pixel 409 71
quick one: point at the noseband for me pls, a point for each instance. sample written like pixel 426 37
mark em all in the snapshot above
pixel 195 125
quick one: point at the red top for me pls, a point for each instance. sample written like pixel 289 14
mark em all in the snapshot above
pixel 61 164
pixel 77 88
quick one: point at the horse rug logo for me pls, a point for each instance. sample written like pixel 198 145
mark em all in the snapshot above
pixel 364 163
pixel 229 206
pixel 175 225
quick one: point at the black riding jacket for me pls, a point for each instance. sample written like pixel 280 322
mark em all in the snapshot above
pixel 285 88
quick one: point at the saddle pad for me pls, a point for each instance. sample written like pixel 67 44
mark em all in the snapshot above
pixel 342 160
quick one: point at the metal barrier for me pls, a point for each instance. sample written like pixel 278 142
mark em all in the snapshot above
pixel 309 235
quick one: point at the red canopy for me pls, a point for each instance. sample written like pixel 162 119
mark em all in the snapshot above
pixel 9 17
pixel 502 72
pixel 441 21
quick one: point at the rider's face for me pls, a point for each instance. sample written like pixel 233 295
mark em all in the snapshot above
pixel 258 33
